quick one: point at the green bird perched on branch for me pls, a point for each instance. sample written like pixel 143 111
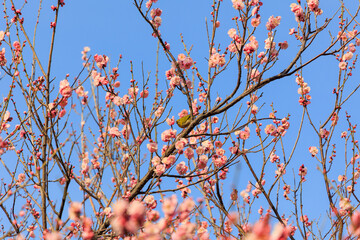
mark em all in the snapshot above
pixel 184 121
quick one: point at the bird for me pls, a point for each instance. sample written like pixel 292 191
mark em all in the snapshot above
pixel 184 121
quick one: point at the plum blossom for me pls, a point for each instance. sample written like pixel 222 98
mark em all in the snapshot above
pixel 202 161
pixel 181 143
pixel 75 210
pixel 101 61
pixel 251 46
pixel 345 204
pixel 160 169
pixel 155 12
pixel 216 59
pixel 273 22
pixel 2 57
pixel 128 218
pixel 313 151
pixel 65 88
pixel 185 231
pixel 169 205
pixel 238 4
pixel 314 7
pixel 342 65
pixel 2 36
pixel 270 129
pixel 304 89
pixel 347 56
pixel 232 32
pixel 152 147
pixel 184 62
pixel 80 91
pixel 355 223
pixel 181 168
pixel 114 132
pixel 167 135
pixel 255 22
pixel 298 11
pixel 245 134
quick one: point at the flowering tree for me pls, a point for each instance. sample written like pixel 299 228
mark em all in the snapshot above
pixel 176 155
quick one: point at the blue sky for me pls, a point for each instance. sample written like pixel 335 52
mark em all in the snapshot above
pixel 115 27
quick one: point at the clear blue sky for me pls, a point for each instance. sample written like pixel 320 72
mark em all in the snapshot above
pixel 115 27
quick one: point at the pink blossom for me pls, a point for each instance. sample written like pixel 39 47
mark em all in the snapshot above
pixel 342 65
pixel 324 133
pixel 160 169
pixel 65 88
pixel 255 22
pixel 219 161
pixel 152 147
pixel 304 89
pixel 255 75
pixel 114 132
pixel 273 22
pixel 280 232
pixel 302 171
pixel 2 57
pixel 150 201
pixel 156 21
pixel 216 59
pixel 159 111
pixel 181 168
pixel 184 62
pixel 169 161
pixel 215 119
pixel 232 32
pixel 80 91
pixel 62 113
pixel 155 161
pixel 189 153
pixel 234 48
pixel 313 151
pixel 175 81
pixel 133 91
pixel 261 230
pixel 144 94
pixel 238 4
pixel 2 36
pixel 244 134
pixel 181 143
pixel 347 56
pixel 270 129
pixel 184 231
pixel 298 11
pixel 254 109
pixel 21 178
pixel 280 171
pixel 101 61
pixel 169 205
pixel 170 121
pixel 127 218
pixel 283 45
pixel 202 161
pixel 75 210
pixel 355 223
pixel 343 134
pixel 313 5
pixel 116 84
pixel 117 100
pixel 274 157
pixel 155 12
pixel 345 204
pixel 167 135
